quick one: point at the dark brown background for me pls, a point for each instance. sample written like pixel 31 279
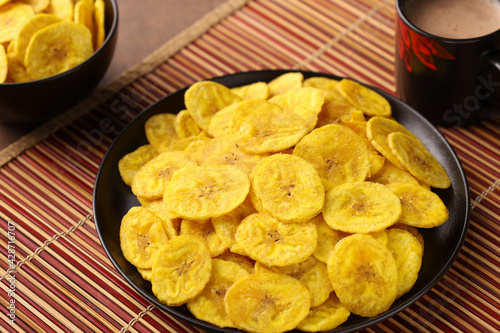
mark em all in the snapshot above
pixel 144 26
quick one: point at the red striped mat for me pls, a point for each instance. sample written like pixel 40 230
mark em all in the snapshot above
pixel 61 277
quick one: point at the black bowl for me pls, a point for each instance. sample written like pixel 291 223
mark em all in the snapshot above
pixel 40 100
pixel 112 199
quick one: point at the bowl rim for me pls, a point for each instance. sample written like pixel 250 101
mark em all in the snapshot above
pixel 109 35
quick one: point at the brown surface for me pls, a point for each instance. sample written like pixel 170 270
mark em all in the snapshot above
pixel 144 26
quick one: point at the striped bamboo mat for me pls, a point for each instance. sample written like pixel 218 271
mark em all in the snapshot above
pixel 51 257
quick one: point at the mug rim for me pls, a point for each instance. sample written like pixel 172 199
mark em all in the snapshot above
pixel 406 21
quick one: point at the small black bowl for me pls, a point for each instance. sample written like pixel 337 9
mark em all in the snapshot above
pixel 41 100
pixel 112 199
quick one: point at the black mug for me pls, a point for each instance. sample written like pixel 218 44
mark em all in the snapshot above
pixel 451 82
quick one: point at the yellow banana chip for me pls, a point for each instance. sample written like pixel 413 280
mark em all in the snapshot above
pixel 364 99
pixel 275 243
pixel 57 48
pixel 287 187
pixel 205 98
pixel 255 90
pixel 335 113
pixel 181 271
pixel 160 128
pixel 418 160
pixel 205 230
pixel 13 16
pixel 129 164
pixel 412 230
pixel 263 127
pixel 361 207
pixel 364 275
pixel 141 237
pixel 327 86
pixel 84 14
pixel 36 23
pixel 327 239
pixel 421 207
pixel 4 66
pixel 326 316
pixel 311 272
pixel 185 126
pixel 408 253
pixel 337 152
pixel 202 192
pixel 99 20
pixel 285 82
pixel 264 302
pixel 150 180
pixel 209 305
pixel 63 9
pixel 243 261
pixel 389 173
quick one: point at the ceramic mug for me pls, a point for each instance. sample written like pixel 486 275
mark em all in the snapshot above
pixel 451 82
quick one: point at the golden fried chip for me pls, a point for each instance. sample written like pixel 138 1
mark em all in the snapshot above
pixel 242 260
pixel 4 66
pixel 141 237
pixel 389 173
pixel 378 130
pixel 99 20
pixel 84 14
pixel 36 23
pixel 327 239
pixel 326 316
pixel 364 99
pixel 287 187
pixel 146 273
pixel 38 5
pixel 414 231
pixel 421 207
pixel 264 127
pixel 181 144
pixel 149 181
pixel 185 126
pixel 205 98
pixel 209 305
pixel 16 71
pixel 311 272
pixel 221 122
pixel 285 82
pixel 255 90
pixel 202 192
pixel 335 113
pixel 418 160
pixel 361 207
pixel 13 16
pixel 205 230
pixel 57 48
pixel 181 271
pixel 62 8
pixel 160 128
pixel 377 162
pixel 364 275
pixel 225 226
pixel 275 243
pixel 408 253
pixel 327 86
pixel 264 302
pixel 304 101
pixel 129 164
pixel 337 152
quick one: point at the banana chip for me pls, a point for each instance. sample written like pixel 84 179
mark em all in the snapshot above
pixel 202 192
pixel 361 207
pixel 205 98
pixel 185 125
pixel 205 230
pixel 389 173
pixel 84 14
pixel 160 128
pixel 129 164
pixel 13 16
pixel 327 86
pixel 181 271
pixel 337 152
pixel 57 48
pixel 4 66
pixel 241 260
pixel 267 302
pixel 365 99
pixel 257 90
pixel 285 82
pixel 327 239
pixel 408 253
pixel 421 208
pixel 335 113
pixel 326 316
pixel 141 237
pixel 275 243
pixel 416 158
pixel 287 187
pixel 209 305
pixel 364 275
pixel 62 8
pixel 99 28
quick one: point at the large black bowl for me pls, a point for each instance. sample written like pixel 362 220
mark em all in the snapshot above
pixel 41 100
pixel 112 199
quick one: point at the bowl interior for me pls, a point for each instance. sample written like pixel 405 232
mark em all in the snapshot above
pixel 442 244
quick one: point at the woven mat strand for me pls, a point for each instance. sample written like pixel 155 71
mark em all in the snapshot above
pixel 63 280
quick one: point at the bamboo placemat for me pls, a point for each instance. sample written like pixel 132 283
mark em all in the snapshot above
pixel 61 277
